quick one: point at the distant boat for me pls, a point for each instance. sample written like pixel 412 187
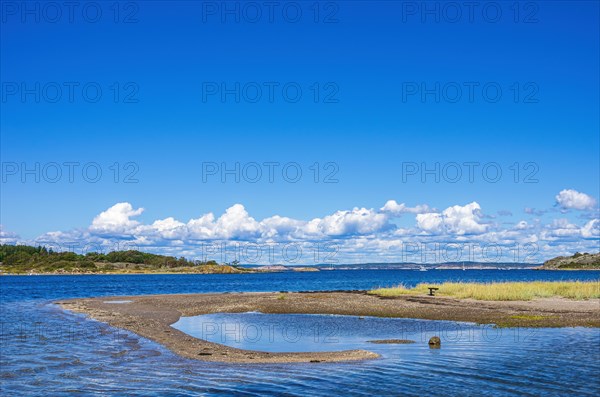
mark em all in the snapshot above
pixel 464 266
pixel 422 268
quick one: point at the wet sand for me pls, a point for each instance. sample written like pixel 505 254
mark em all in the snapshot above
pixel 150 316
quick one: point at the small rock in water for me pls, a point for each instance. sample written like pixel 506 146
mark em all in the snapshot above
pixel 435 342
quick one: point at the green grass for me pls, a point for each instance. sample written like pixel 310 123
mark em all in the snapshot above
pixel 577 290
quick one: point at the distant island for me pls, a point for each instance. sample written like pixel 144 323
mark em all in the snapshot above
pixel 578 261
pixel 464 265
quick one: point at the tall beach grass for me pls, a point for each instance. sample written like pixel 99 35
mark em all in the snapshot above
pixel 509 291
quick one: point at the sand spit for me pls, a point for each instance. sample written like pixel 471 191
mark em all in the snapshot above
pixel 150 316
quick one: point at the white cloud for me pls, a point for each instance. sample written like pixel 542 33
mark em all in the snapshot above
pixel 457 219
pixel 572 199
pixel 116 219
pixel 563 228
pixel 203 227
pixel 522 225
pixel 465 219
pixel 431 222
pixel 591 229
pixel 357 221
pixel 393 208
pixel 236 223
pixel 169 228
pixel 279 227
pixel 7 237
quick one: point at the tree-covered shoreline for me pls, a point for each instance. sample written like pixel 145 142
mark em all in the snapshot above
pixel 23 259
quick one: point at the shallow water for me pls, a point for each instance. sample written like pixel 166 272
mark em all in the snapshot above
pixel 494 359
pixel 311 332
pixel 46 351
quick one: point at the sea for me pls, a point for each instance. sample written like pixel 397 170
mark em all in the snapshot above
pixel 46 351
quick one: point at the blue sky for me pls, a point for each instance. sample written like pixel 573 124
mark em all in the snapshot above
pixel 370 64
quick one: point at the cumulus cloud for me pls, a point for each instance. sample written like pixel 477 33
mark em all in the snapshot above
pixel 282 228
pixel 116 219
pixel 464 219
pixel 591 229
pixel 203 227
pixel 430 222
pixel 7 237
pixel 572 199
pixel 393 208
pixel 169 228
pixel 563 228
pixel 357 221
pixel 457 219
pixel 236 223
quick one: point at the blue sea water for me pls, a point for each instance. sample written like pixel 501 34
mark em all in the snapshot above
pixel 46 351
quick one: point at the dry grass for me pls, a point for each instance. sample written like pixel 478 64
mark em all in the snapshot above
pixel 530 317
pixel 577 290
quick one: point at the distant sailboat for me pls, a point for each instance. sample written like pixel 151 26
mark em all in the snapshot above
pixel 464 266
pixel 422 268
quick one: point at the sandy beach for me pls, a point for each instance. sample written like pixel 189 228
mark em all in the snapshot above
pixel 150 316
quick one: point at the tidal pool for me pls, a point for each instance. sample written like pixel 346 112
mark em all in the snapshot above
pixel 309 332
pixel 493 361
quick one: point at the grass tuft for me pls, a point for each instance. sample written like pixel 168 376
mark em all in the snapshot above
pixel 513 291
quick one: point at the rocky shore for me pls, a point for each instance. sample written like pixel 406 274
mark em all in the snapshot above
pixel 578 261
